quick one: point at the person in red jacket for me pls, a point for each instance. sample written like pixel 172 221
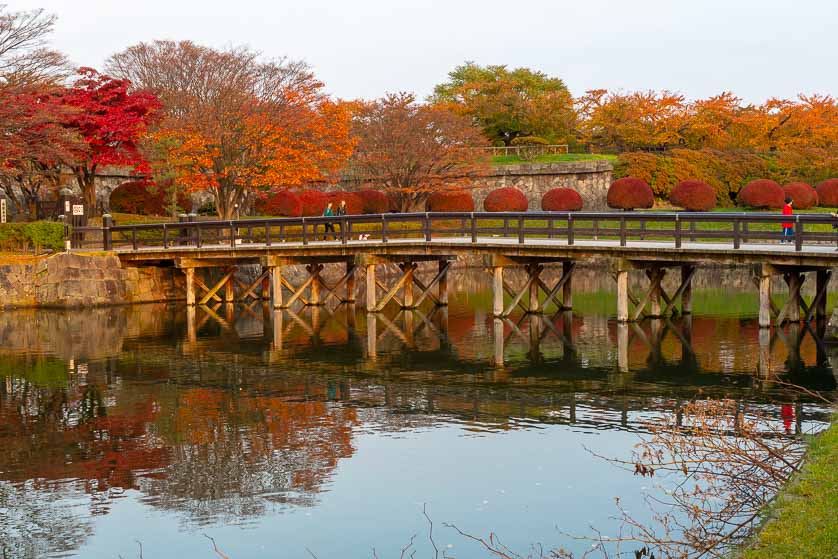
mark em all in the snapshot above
pixel 788 226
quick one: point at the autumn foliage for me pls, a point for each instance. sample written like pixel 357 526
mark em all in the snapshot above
pixel 451 201
pixel 762 193
pixel 802 194
pixel 693 196
pixel 312 202
pixel 561 200
pixel 375 201
pixel 507 199
pixel 279 203
pixel 630 193
pixel 145 198
pixel 828 192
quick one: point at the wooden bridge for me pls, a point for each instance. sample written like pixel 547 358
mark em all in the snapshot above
pixel 654 243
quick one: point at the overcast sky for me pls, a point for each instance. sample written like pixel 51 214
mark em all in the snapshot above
pixel 364 48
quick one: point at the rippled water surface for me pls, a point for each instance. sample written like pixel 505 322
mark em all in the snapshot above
pixel 328 430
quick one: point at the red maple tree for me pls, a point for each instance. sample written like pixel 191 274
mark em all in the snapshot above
pixel 112 121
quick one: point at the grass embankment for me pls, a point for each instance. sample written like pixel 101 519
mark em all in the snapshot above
pixel 803 521
pixel 551 158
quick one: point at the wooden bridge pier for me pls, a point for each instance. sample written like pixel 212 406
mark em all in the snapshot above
pixel 794 277
pixel 402 290
pixel 223 290
pixel 528 297
pixel 655 301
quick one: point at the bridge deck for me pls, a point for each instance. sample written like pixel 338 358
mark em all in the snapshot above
pixel 695 252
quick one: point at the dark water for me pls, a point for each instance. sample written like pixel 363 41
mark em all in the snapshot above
pixel 326 430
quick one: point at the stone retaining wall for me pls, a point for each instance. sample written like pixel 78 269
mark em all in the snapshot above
pixel 73 280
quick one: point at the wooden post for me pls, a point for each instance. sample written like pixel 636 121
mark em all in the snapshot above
pixel 497 291
pixel 191 324
pixel 655 302
pixel 277 328
pixel 622 297
pixel 821 279
pixel 622 347
pixel 190 286
pixel 276 286
pixel 314 295
pixel 266 285
pixel 497 331
pixel 533 272
pixel 795 281
pixel 765 298
pixel 350 282
pixel 371 287
pixel 687 293
pixel 229 294
pixel 567 289
pixel 535 338
pixel 407 290
pixel 764 360
pixel 443 283
pixel 372 322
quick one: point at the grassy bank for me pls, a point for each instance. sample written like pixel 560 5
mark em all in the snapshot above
pixel 804 518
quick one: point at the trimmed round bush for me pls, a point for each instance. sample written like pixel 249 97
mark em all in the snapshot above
pixel 313 202
pixel 561 200
pixel 762 193
pixel 354 203
pixel 375 201
pixel 137 197
pixel 451 201
pixel 529 141
pixel 693 196
pixel 629 193
pixel 507 199
pixel 280 203
pixel 828 192
pixel 802 194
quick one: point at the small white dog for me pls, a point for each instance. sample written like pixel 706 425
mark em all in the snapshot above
pixel 363 236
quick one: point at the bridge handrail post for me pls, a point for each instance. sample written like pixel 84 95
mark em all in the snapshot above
pixel 198 240
pixel 344 230
pixel 107 240
pixel 165 236
pixel 232 235
pixel 570 229
pixel 267 233
pixel 520 229
pixel 134 237
pixel 383 228
pixel 736 238
pixel 427 219
pixel 677 231
pixel 473 228
pixel 622 230
pixel 798 234
pixel 304 235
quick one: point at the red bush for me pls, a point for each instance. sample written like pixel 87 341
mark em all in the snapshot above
pixel 313 202
pixel 828 192
pixel 354 203
pixel 281 203
pixel 508 199
pixel 561 200
pixel 375 201
pixel 803 195
pixel 762 193
pixel 145 198
pixel 451 201
pixel 693 196
pixel 629 193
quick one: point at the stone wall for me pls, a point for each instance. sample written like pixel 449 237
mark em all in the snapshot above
pixel 590 178
pixel 74 280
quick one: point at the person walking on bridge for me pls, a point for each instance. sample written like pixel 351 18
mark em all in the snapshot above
pixel 788 226
pixel 329 226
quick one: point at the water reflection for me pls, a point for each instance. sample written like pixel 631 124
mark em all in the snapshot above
pixel 229 414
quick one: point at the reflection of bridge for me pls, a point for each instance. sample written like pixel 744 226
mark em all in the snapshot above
pixel 526 344
pixel 648 245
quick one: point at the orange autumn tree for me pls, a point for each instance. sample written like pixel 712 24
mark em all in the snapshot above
pixel 235 125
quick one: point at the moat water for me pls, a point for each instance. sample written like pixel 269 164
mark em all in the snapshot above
pixel 323 432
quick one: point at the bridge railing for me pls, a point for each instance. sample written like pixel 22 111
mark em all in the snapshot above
pixel 623 228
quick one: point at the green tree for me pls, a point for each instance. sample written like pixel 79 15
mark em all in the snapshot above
pixel 507 103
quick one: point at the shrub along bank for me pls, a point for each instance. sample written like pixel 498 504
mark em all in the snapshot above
pixel 33 236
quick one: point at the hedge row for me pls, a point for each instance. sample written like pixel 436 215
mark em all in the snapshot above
pixel 143 198
pixel 36 235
